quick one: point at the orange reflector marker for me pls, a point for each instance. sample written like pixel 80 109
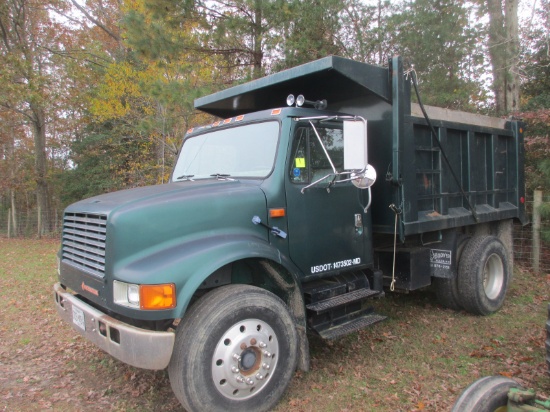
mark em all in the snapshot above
pixel 275 112
pixel 158 297
pixel 215 124
pixel 227 121
pixel 277 213
pixel 190 131
pixel 239 118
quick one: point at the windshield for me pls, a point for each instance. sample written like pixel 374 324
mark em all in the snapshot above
pixel 243 151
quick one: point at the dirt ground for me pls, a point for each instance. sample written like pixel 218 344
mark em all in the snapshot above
pixel 420 359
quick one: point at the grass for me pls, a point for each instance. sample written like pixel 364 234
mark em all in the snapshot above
pixel 419 359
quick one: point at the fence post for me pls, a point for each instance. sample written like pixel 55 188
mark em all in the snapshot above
pixel 9 223
pixel 536 229
pixel 39 218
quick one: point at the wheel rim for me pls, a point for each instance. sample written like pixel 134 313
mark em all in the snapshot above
pixel 493 276
pixel 244 359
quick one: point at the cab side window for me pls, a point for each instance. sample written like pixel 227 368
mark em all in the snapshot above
pixel 309 161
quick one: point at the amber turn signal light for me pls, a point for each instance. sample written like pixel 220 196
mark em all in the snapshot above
pixel 158 297
pixel 277 213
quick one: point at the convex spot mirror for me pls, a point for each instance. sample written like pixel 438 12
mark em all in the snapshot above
pixel 365 179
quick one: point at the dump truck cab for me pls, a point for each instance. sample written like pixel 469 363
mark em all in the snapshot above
pixel 293 150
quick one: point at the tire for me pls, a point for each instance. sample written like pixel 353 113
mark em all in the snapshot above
pixel 446 290
pixel 487 394
pixel 235 349
pixel 483 275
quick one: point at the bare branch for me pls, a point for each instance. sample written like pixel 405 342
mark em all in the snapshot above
pixel 95 21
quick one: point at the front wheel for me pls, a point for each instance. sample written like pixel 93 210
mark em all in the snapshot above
pixel 483 275
pixel 236 349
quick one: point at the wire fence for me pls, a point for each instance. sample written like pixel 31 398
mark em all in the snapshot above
pixel 528 242
pixel 26 224
pixel 525 249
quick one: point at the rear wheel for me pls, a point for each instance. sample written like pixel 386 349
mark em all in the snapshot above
pixel 236 349
pixel 483 275
pixel 446 289
pixel 489 394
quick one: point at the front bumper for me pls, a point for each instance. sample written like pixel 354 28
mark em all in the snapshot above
pixel 137 347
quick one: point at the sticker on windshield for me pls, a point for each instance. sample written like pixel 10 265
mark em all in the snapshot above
pixel 296 172
pixel 301 162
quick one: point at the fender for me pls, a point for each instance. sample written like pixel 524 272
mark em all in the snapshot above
pixel 189 264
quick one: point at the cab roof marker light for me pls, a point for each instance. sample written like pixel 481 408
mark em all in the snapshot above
pixel 190 131
pixel 275 112
pixel 226 121
pixel 239 118
pixel 216 124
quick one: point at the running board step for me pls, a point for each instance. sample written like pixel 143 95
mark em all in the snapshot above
pixel 351 326
pixel 327 304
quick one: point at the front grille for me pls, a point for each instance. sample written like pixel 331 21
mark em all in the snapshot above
pixel 84 242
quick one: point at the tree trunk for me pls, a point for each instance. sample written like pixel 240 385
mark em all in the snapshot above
pixel 10 151
pixel 13 215
pixel 504 53
pixel 41 169
pixel 512 78
pixel 497 53
pixel 258 54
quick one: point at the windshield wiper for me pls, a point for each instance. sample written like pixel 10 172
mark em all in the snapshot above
pixel 221 176
pixel 185 177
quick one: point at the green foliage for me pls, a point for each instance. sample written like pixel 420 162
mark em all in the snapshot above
pixel 536 103
pixel 438 41
pixel 111 156
pixel 536 87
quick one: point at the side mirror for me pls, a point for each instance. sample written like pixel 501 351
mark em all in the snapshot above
pixel 363 175
pixel 355 144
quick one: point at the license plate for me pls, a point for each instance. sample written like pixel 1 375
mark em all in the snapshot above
pixel 78 318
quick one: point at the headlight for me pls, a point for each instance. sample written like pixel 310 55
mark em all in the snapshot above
pixel 126 294
pixel 133 295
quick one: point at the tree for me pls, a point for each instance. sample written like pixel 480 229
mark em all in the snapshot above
pixel 239 34
pixel 27 85
pixel 438 41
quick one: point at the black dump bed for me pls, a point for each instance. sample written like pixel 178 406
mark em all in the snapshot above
pixel 485 153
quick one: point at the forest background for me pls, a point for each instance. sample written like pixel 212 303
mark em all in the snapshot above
pixel 96 95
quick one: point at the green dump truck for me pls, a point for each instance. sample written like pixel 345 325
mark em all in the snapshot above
pixel 323 188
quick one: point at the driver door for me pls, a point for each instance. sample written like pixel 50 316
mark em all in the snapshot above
pixel 325 228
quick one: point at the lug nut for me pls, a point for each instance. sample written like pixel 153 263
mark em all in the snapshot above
pixel 263 345
pixel 237 357
pixel 234 369
pixel 239 379
pixel 267 354
pixel 265 366
pixel 259 377
pixel 249 382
